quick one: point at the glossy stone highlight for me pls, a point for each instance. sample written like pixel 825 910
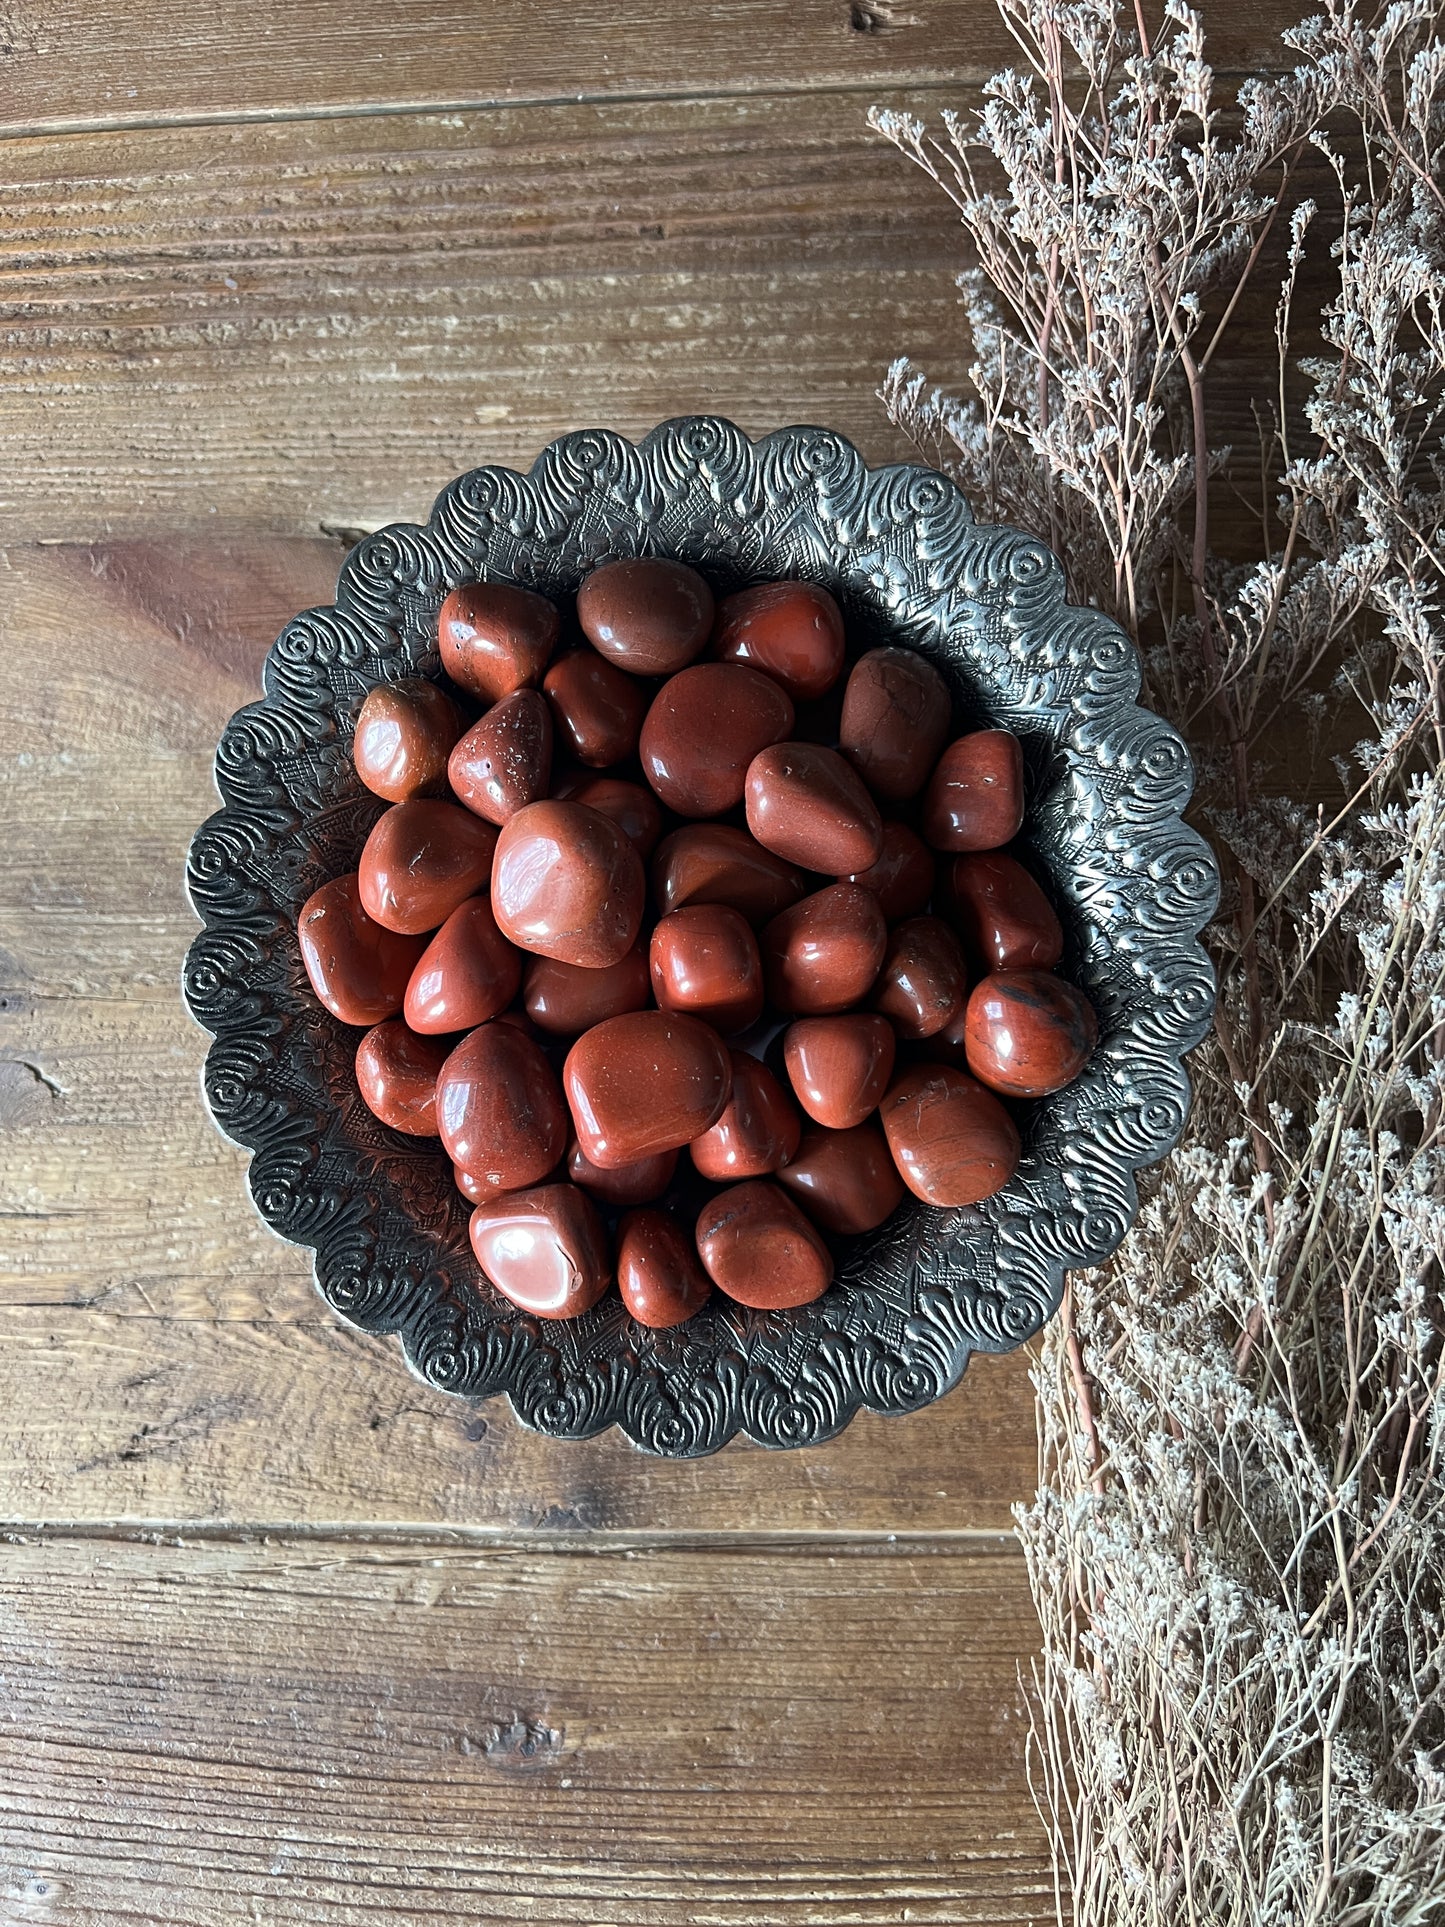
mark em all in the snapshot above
pixel 404 734
pixel 792 631
pixel 597 709
pixel 704 727
pixel 499 1111
pixel 632 808
pixel 645 1083
pixel 822 954
pixel 807 806
pixel 902 878
pixel 566 999
pixel 658 1273
pixel 846 1181
pixel 897 711
pixel 420 861
pixel 466 974
pixel 758 1130
pixel 704 960
pixel 357 967
pixel 952 1140
pixel 647 615
pixel 396 1073
pixel 975 797
pixel 504 762
pixel 545 1249
pixel 756 1245
pixel 566 883
pixel 1028 1032
pixel 1002 914
pixel 714 863
pixel 839 1067
pixel 923 981
pixel 494 638
pixel 628 1184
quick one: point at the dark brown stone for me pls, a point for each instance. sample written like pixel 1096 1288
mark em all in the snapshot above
pixel 420 861
pixel 807 806
pixel 658 1273
pixel 404 734
pixel 896 717
pixel 494 638
pixel 504 762
pixel 705 726
pixel 396 1073
pixel 566 883
pixel 975 797
pixel 645 1083
pixel 839 1067
pixel 597 709
pixel 902 878
pixel 952 1140
pixel 647 615
pixel 499 1111
pixel 756 1245
pixel 358 968
pixel 1028 1032
pixel 466 974
pixel 846 1181
pixel 758 1130
pixel 822 954
pixel 545 1249
pixel 714 863
pixel 704 960
pixel 792 631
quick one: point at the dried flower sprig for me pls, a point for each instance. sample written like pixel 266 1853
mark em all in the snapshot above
pixel 1237 1546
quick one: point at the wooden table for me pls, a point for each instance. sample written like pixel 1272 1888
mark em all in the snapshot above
pixel 287 1637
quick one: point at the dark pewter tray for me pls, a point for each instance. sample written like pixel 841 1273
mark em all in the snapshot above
pixel 1107 782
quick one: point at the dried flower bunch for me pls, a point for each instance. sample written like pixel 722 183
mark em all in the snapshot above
pixel 1237 1546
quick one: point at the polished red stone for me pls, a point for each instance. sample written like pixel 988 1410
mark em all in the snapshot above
pixel 1002 914
pixel 628 1184
pixel 466 974
pixel 645 1083
pixel 658 1273
pixel 499 1111
pixel 846 1181
pixel 807 806
pixel 704 960
pixel 566 883
pixel 792 631
pixel 421 860
pixel 545 1249
pixel 404 734
pixel 756 1245
pixel 632 808
pixel 952 1140
pixel 647 615
pixel 396 1073
pixel 598 710
pixel 714 863
pixel 758 1130
pixel 902 878
pixel 822 954
pixel 705 726
pixel 839 1067
pixel 975 797
pixel 896 716
pixel 566 999
pixel 1028 1032
pixel 358 968
pixel 923 981
pixel 504 762
pixel 474 1189
pixel 495 638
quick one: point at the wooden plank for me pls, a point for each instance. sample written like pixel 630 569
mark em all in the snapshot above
pixel 69 65
pixel 164 1356
pixel 316 1734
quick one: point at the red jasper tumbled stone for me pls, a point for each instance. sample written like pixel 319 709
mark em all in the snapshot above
pixel 756 1245
pixel 495 638
pixel 420 861
pixel 648 615
pixel 628 1184
pixel 357 967
pixel 645 1083
pixel 952 1140
pixel 822 954
pixel 846 1181
pixel 545 1249
pixel 714 863
pixel 1028 1033
pixel 658 1273
pixel 758 1130
pixel 404 734
pixel 792 631
pixel 839 1067
pixel 895 720
pixel 566 883
pixel 975 796
pixel 396 1073
pixel 504 762
pixel 597 709
pixel 705 726
pixel 1002 914
pixel 632 808
pixel 807 806
pixel 565 999
pixel 704 960
pixel 923 981
pixel 466 974
pixel 499 1110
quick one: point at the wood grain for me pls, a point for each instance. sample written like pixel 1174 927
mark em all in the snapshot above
pixel 323 1733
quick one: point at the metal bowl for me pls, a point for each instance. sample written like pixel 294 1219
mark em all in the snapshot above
pixel 1107 781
